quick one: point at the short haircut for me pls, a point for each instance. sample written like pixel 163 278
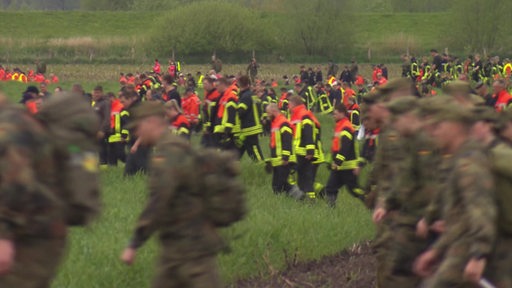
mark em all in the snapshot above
pixel 128 94
pixel 341 108
pixel 168 79
pixel 224 81
pixel 296 100
pixel 244 81
pixel 98 88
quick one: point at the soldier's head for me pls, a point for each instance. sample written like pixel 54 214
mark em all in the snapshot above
pixel 485 123
pixel 505 125
pixel 450 127
pixel 340 112
pixel 397 88
pixel 404 115
pixel 148 120
pixel 294 102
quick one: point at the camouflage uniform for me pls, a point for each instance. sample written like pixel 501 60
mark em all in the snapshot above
pixel 389 153
pixel 469 212
pixel 175 209
pixel 413 190
pixel 499 268
pixel 31 213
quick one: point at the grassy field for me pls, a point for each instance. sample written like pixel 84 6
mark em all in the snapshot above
pixel 119 37
pixel 277 231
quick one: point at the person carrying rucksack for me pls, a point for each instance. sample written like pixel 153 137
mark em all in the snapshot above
pixel 192 193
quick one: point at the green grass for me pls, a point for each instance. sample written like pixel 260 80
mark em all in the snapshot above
pixel 275 227
pixel 120 37
pixel 71 24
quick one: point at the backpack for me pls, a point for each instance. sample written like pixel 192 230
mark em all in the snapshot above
pixel 223 191
pixel 72 124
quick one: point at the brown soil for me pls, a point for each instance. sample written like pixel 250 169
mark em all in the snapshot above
pixel 352 268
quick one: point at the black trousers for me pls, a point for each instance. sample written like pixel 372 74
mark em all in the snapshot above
pixel 251 145
pixel 138 161
pixel 305 174
pixel 280 176
pixel 340 178
pixel 116 152
pixel 207 140
pixel 103 143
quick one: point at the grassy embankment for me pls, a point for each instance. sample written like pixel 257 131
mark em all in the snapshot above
pixel 119 37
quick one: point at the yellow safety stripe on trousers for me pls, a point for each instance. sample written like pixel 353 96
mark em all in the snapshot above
pixel 254 130
pixel 348 165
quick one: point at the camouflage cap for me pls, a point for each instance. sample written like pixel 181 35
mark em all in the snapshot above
pixel 431 105
pixel 372 97
pixel 457 86
pixel 453 113
pixel 402 105
pixel 144 110
pixel 483 113
pixel 395 84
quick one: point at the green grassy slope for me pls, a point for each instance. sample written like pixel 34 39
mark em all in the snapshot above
pixel 117 37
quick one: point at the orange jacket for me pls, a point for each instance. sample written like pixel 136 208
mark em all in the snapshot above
pixel 115 108
pixel 190 107
pixel 502 100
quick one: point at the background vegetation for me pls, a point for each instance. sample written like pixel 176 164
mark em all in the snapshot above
pixel 137 31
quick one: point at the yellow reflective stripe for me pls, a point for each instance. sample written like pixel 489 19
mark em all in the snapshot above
pixel 340 157
pixel 286 129
pixel 349 165
pixel 347 134
pixel 242 106
pixel 183 131
pixel 257 153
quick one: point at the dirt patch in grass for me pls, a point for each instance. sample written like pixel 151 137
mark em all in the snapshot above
pixel 352 268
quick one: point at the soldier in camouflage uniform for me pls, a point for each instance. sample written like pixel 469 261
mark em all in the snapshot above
pixel 499 268
pixel 33 228
pixel 468 210
pixel 189 242
pixel 385 168
pixel 411 192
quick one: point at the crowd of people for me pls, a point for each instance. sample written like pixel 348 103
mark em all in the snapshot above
pixel 37 76
pixel 437 141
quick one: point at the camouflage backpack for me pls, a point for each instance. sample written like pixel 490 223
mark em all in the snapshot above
pixel 224 193
pixel 73 125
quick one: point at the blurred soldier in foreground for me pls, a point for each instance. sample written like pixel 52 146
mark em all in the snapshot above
pixel 466 206
pixel 180 207
pixel 41 161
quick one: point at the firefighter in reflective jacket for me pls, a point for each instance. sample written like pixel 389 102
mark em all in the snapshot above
pixel 354 114
pixel 281 153
pixel 226 123
pixel 250 123
pixel 324 103
pixel 344 166
pixel 307 94
pixel 179 124
pixel 208 111
pixel 116 143
pixel 304 144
